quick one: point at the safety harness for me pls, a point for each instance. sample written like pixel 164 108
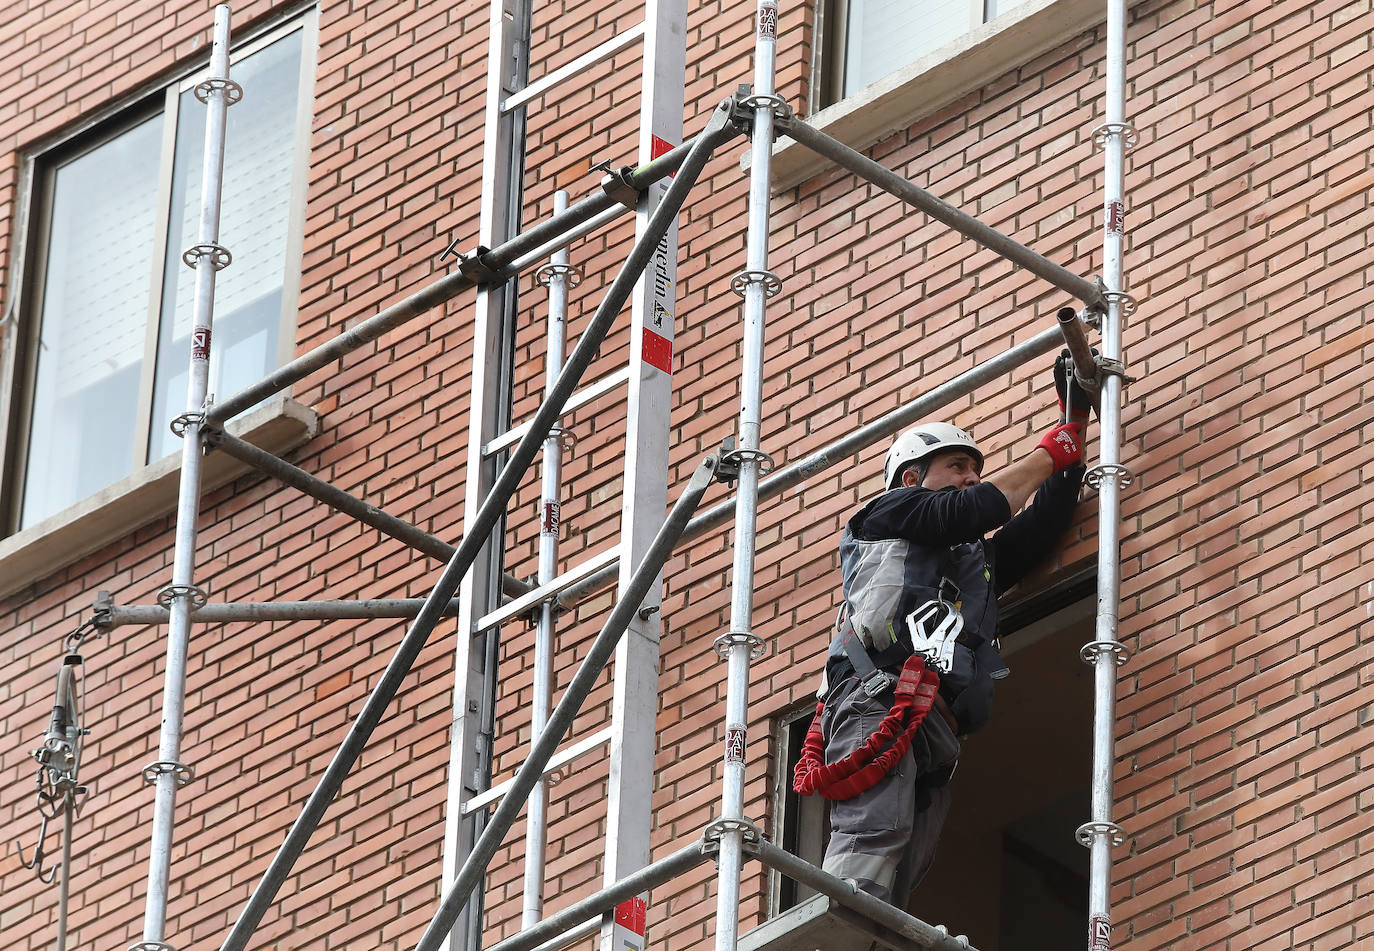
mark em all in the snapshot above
pixel 861 770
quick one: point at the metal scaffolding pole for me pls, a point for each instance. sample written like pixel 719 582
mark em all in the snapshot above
pixel 1105 652
pixel 557 276
pixel 598 655
pixel 740 644
pixel 482 266
pixel 143 615
pixel 716 133
pixel 992 239
pixel 207 257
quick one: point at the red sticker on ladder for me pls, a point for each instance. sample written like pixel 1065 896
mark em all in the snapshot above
pixel 658 351
pixel 632 913
pixel 659 147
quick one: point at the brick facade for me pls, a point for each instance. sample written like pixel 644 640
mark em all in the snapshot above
pixel 1247 557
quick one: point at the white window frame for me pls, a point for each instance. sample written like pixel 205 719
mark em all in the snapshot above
pixel 24 304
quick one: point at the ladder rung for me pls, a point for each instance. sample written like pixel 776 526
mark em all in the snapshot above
pixel 580 748
pixel 540 86
pixel 581 398
pixel 518 606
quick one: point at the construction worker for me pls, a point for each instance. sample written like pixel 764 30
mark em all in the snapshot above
pixel 921 584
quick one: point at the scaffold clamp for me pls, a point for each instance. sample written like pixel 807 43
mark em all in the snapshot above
pixel 713 833
pixel 1091 830
pixel 722 645
pixel 727 470
pixel 233 92
pixel 1094 649
pixel 183 773
pixel 617 186
pixel 219 255
pixel 181 423
pixel 571 274
pixel 199 596
pixel 474 268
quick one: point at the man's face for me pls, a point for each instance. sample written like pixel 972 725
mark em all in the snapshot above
pixel 957 469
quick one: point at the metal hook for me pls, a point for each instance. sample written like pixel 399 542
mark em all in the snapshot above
pixel 38 853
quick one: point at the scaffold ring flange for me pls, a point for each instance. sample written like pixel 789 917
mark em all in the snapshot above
pixel 772 284
pixel 183 773
pixel 219 255
pixel 1110 470
pixel 181 423
pixel 757 646
pixel 1094 649
pixel 199 596
pixel 1130 137
pixel 1091 830
pixel 781 110
pixel 571 273
pixel 734 457
pixel 233 92
pixel 717 829
pixel 1127 302
pixel 152 946
pixel 567 439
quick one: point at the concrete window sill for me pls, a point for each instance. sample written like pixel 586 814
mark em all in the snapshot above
pixel 38 551
pixel 906 95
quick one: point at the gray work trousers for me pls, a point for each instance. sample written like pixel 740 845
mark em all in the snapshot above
pixel 884 838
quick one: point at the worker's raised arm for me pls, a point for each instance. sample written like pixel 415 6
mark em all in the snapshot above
pixel 1058 449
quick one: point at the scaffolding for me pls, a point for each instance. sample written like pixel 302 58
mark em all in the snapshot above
pixel 472 586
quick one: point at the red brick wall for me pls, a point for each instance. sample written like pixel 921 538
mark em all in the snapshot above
pixel 1246 560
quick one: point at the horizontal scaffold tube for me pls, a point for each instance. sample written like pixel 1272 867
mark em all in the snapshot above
pixel 497 260
pixel 1084 365
pixel 874 909
pixel 846 447
pixel 477 532
pixel 1087 291
pixel 593 665
pixel 142 615
pixel 650 876
pixel 351 505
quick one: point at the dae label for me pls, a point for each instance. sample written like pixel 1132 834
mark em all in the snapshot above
pixel 1116 217
pixel 1100 933
pixel 768 19
pixel 550 522
pixel 200 343
pixel 734 744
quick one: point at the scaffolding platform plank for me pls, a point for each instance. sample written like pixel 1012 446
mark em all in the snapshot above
pixel 822 924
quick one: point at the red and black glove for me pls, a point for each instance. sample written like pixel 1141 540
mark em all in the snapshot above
pixel 1063 444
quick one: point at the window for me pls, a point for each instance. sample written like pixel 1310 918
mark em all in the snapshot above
pixel 108 308
pixel 864 40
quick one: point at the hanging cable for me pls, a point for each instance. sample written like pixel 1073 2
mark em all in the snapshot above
pixel 59 760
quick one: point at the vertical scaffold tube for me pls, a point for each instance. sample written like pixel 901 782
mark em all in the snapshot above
pixel 207 257
pixel 757 283
pixel 556 275
pixel 1105 653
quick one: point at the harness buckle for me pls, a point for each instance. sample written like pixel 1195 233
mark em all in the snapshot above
pixel 935 626
pixel 876 683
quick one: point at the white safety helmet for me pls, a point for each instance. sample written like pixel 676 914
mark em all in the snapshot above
pixel 923 442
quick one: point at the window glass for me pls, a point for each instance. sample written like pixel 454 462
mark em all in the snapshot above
pixel 255 207
pixel 884 35
pixel 96 288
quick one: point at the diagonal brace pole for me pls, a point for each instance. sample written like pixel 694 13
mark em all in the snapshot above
pixel 717 132
pixel 561 720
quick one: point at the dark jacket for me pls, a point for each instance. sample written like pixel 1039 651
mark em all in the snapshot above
pixel 911 545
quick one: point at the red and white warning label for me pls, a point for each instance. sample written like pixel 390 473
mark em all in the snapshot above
pixel 1099 933
pixel 768 19
pixel 631 924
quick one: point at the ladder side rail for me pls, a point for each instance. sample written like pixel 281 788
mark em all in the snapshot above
pixel 992 239
pixel 168 773
pixel 634 706
pixel 589 672
pixel 475 657
pixel 739 643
